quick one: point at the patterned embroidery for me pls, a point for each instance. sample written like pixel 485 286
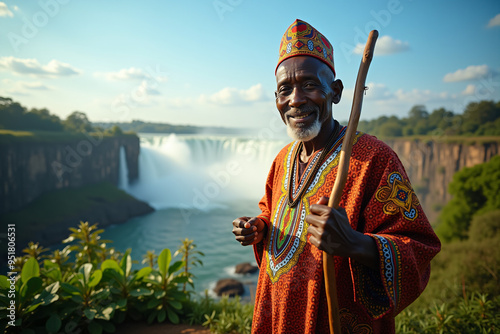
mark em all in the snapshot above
pixel 392 258
pixel 349 323
pixel 287 238
pixel 288 234
pixel 398 196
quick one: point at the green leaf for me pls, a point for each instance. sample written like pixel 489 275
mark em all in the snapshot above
pixel 162 315
pixel 77 299
pixel 160 294
pixel 164 261
pixel 121 303
pixel 153 303
pixel 30 269
pixel 143 272
pixel 53 273
pixel 31 308
pixel 126 263
pixel 5 283
pixel 172 316
pixel 31 287
pixel 152 317
pixel 53 288
pixel 106 313
pixel 113 265
pixel 141 291
pixel 85 270
pixel 71 289
pixel 94 328
pixel 176 266
pixel 95 278
pixel 90 313
pixel 53 324
pixel 49 294
pixel 175 304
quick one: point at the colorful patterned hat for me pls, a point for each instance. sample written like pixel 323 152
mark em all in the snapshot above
pixel 301 39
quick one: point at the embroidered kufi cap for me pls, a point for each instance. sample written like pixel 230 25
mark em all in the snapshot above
pixel 302 39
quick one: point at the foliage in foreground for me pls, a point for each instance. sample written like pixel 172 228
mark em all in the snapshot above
pixel 89 287
pixel 477 314
pixel 96 292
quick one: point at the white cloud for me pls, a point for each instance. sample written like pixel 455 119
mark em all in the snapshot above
pixel 23 87
pixel 148 88
pixel 380 92
pixel 54 68
pixel 470 73
pixel 230 95
pixel 4 10
pixel 131 73
pixel 494 21
pixel 469 90
pixel 385 45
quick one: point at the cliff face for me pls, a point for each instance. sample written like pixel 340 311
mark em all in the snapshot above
pixel 431 165
pixel 29 169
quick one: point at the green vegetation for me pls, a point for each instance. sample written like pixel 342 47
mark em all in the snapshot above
pixel 475 190
pixel 98 290
pixel 478 119
pixel 56 207
pixel 148 127
pixel 95 292
pixel 59 204
pixel 39 124
pixel 463 294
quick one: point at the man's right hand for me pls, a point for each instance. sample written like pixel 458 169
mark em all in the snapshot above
pixel 249 231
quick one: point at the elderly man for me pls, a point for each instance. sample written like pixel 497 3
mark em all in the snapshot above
pixel 381 240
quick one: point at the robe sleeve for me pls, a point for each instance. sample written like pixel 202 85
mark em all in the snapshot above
pixel 406 242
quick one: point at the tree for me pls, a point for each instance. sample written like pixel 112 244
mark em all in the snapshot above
pixel 475 191
pixel 77 121
pixel 418 112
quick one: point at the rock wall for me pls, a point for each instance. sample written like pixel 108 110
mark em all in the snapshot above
pixel 430 166
pixel 29 169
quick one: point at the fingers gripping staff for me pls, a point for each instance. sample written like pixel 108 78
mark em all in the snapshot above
pixel 343 169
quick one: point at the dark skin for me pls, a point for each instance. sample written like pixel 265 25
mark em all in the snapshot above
pixel 306 91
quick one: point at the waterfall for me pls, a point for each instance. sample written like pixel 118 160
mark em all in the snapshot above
pixel 123 170
pixel 200 171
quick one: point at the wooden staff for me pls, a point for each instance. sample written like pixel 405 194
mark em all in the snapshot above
pixel 342 171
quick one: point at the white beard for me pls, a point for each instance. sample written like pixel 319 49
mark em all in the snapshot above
pixel 304 134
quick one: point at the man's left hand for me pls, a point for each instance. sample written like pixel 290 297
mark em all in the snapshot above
pixel 330 229
pixel 331 232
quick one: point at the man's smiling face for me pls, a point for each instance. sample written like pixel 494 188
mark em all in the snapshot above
pixel 305 92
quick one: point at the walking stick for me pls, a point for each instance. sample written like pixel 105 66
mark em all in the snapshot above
pixel 342 171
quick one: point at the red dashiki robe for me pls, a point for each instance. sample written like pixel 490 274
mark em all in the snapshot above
pixel 379 202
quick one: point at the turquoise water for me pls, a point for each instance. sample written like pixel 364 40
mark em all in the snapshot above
pixel 210 230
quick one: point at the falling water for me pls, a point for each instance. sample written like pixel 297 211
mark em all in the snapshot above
pixel 202 172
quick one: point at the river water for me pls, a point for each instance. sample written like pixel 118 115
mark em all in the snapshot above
pixel 198 185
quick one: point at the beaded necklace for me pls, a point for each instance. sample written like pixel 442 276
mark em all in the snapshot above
pixel 294 195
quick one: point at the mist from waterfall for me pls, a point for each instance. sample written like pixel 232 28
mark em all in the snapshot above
pixel 200 171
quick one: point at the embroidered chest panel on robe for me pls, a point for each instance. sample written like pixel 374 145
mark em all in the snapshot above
pixel 288 235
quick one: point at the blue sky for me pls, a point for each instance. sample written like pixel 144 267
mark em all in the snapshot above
pixel 212 62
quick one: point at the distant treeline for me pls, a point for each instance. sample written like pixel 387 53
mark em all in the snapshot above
pixel 148 127
pixel 13 116
pixel 478 119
